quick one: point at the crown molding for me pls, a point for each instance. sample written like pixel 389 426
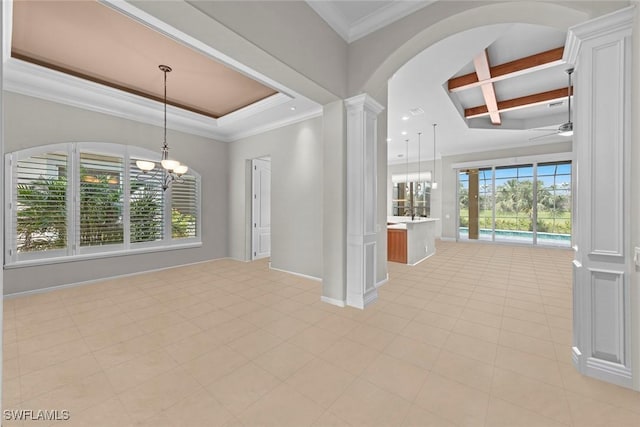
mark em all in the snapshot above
pixel 366 25
pixel 276 125
pixel 619 20
pixel 392 12
pixel 255 108
pixel 33 80
pixel 40 82
pixel 332 16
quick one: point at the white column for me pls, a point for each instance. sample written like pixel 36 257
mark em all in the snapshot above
pixel 601 52
pixel 5 30
pixel 362 112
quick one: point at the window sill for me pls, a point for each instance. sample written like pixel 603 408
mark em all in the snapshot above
pixel 99 255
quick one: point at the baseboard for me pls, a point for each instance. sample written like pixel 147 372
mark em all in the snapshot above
pixel 448 239
pixel 333 301
pixel 428 256
pixel 102 279
pixel 383 281
pixel 306 276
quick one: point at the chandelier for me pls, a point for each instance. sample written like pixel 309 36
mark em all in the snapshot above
pixel 173 170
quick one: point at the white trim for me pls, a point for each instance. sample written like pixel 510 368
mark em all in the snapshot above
pixel 392 12
pixel 332 16
pixel 305 276
pixel 40 82
pixel 255 108
pixel 275 125
pixel 97 255
pixel 333 301
pixel 621 19
pixel 418 262
pixel 380 18
pixel 508 161
pixel 102 279
pixel 383 281
pixel 448 239
pixel 7 29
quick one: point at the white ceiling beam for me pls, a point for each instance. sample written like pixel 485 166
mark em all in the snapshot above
pixel 483 70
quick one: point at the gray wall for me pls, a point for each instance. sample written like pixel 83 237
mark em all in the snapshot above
pixel 449 178
pixel 290 31
pixel 31 122
pixel 296 196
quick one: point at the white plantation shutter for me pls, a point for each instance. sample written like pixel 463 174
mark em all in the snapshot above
pixel 184 208
pixel 39 207
pixel 101 200
pixel 146 204
pixel 91 199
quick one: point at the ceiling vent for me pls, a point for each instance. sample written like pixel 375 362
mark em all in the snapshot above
pixel 416 111
pixel 556 104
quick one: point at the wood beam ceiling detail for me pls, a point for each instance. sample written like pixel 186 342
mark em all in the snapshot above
pixel 517 103
pixel 529 64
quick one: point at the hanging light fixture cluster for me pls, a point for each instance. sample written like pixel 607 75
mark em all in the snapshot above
pixel 172 169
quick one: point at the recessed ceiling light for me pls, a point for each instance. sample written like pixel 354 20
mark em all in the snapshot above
pixel 388 139
pixel 405 118
pixel 293 108
pixel 404 132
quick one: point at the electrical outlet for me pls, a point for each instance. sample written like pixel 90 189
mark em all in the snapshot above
pixel 636 256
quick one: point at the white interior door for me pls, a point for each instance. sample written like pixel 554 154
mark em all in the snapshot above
pixel 261 208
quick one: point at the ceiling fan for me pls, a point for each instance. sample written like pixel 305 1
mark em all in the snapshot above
pixel 565 129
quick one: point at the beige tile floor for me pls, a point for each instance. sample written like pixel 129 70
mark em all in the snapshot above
pixel 478 335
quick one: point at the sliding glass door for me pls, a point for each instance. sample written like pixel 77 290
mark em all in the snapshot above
pixel 529 203
pixel 514 204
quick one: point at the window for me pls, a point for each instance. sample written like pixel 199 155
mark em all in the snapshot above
pixel 411 194
pixel 39 217
pixel 529 203
pixel 70 200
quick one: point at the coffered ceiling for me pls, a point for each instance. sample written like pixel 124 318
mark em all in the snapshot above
pixel 493 87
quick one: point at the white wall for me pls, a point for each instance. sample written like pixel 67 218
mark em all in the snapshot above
pixel 449 178
pixel 296 196
pixel 31 122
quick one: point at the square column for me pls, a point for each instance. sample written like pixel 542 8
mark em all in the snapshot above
pixel 603 331
pixel 362 197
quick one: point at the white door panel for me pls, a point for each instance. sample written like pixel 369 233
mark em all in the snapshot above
pixel 261 209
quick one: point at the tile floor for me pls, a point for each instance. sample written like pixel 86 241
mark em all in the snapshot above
pixel 478 335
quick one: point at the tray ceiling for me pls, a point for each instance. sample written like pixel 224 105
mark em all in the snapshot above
pixel 95 42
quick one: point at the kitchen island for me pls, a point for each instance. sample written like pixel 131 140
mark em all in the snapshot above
pixel 410 241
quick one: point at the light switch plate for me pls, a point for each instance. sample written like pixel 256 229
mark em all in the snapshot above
pixel 636 256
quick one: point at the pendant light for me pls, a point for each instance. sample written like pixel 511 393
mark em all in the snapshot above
pixel 173 170
pixel 406 191
pixel 434 184
pixel 419 185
